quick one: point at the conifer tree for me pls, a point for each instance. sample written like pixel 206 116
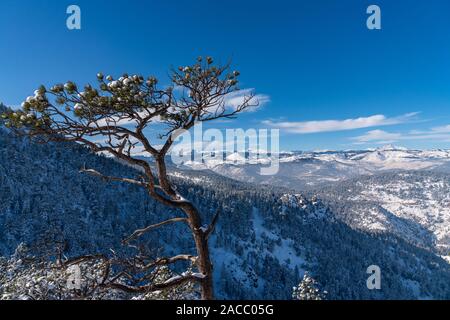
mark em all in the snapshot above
pixel 113 117
pixel 308 290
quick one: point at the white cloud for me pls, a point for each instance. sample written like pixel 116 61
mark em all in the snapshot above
pixel 379 136
pixel 237 98
pixel 306 127
pixel 443 129
pixel 382 137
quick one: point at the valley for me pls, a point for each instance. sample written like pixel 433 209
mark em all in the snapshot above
pixel 267 235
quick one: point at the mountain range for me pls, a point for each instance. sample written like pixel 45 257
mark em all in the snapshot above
pixel 302 170
pixel 269 232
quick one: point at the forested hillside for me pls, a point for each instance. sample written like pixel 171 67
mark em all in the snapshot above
pixel 265 239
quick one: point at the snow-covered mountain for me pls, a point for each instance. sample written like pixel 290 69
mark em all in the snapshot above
pixel 266 236
pixel 302 170
pixel 413 205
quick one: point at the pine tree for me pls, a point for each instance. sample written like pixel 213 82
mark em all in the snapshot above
pixel 308 290
pixel 112 118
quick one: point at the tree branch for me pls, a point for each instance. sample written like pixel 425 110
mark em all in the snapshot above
pixel 212 226
pixel 171 260
pixel 95 173
pixel 138 233
pixel 173 282
pixel 84 258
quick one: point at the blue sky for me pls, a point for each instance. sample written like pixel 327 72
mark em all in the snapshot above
pixel 332 83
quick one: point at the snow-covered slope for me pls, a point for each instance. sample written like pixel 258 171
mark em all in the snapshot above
pixel 265 237
pixel 413 205
pixel 301 170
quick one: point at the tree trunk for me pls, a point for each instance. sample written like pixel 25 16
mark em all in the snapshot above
pixel 205 266
pixel 195 223
pixel 201 243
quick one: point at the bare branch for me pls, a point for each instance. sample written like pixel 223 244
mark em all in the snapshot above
pixel 95 173
pixel 173 282
pixel 171 260
pixel 84 258
pixel 212 226
pixel 138 233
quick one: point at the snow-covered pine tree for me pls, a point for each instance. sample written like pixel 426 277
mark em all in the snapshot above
pixel 308 289
pixel 97 117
